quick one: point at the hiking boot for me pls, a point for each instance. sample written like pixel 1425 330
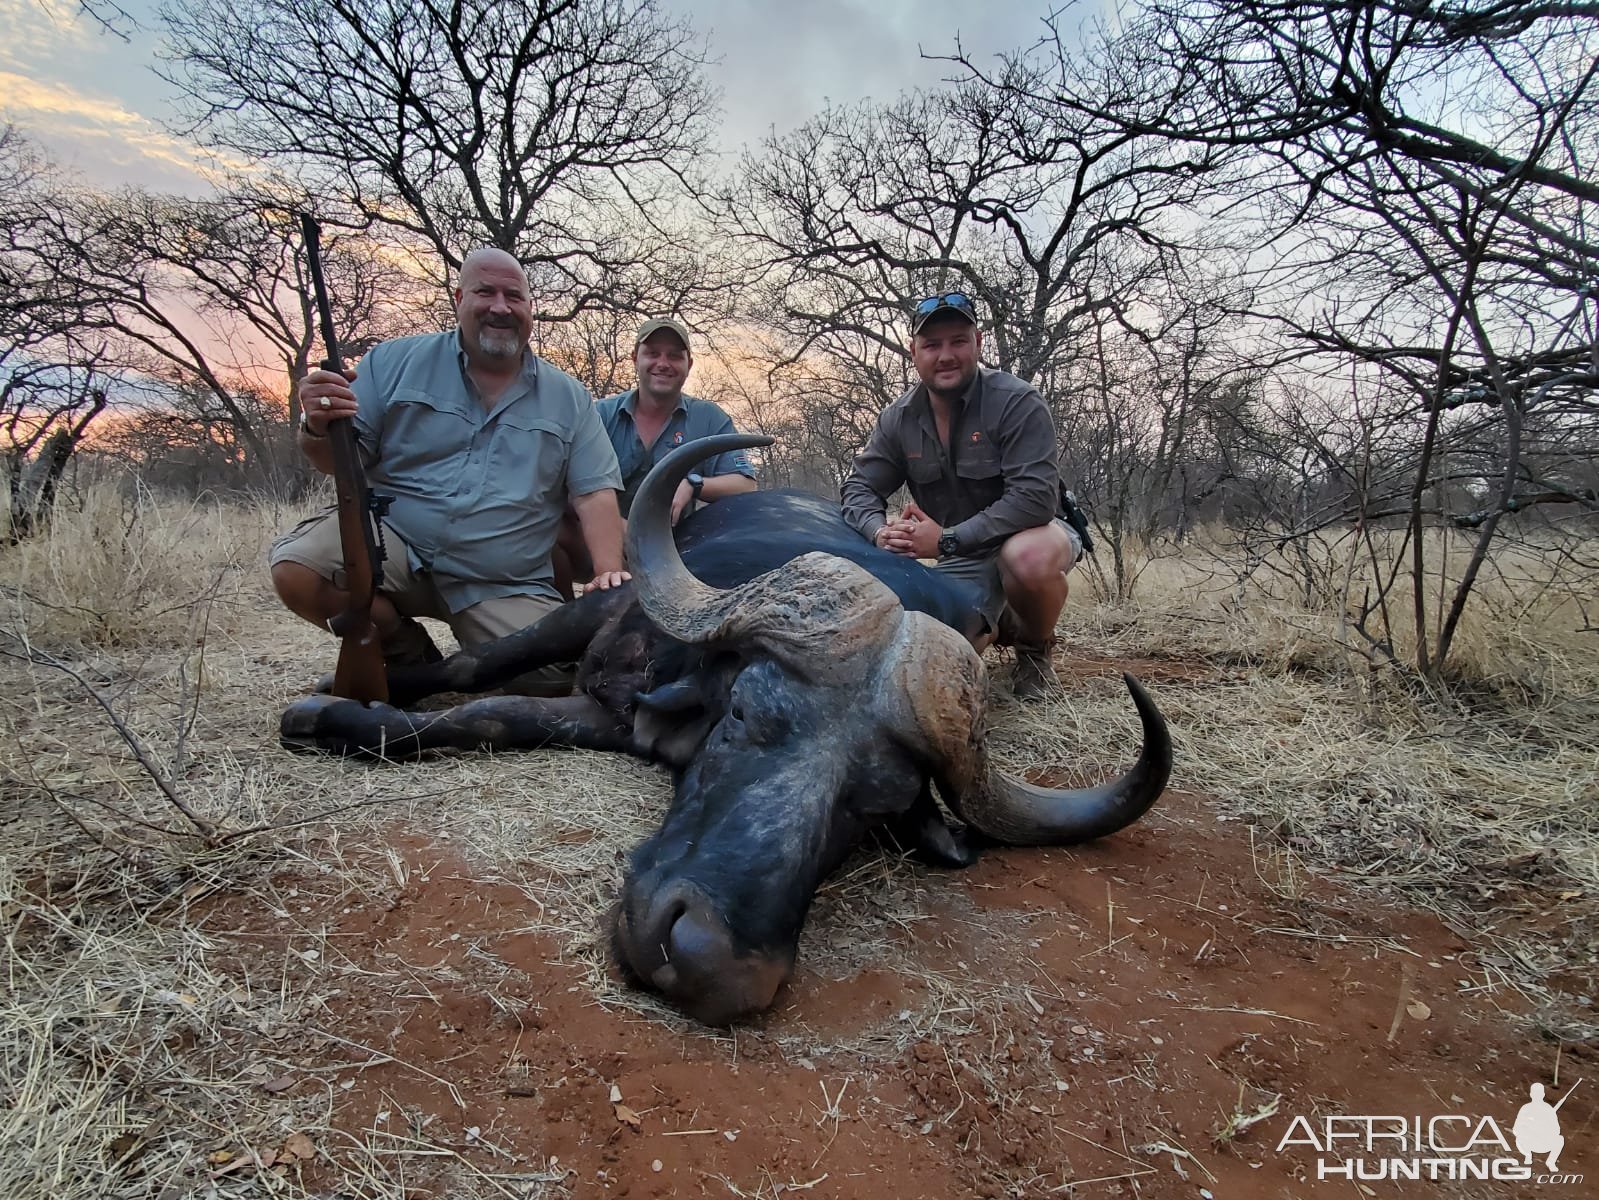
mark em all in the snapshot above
pixel 410 646
pixel 1035 674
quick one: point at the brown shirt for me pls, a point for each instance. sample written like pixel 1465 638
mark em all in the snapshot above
pixel 1002 452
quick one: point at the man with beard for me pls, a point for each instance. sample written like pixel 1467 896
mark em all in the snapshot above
pixel 976 448
pixel 481 445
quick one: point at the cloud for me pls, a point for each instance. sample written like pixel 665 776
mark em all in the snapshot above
pixel 89 97
pixel 778 64
pixel 102 136
pixel 43 28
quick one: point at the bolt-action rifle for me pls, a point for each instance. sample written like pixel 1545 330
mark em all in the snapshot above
pixel 360 674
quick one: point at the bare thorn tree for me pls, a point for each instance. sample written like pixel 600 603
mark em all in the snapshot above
pixel 538 126
pixel 1422 192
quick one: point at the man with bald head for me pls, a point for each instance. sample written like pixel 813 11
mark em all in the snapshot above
pixel 482 445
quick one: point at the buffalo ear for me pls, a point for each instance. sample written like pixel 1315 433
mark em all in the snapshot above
pixel 922 830
pixel 670 723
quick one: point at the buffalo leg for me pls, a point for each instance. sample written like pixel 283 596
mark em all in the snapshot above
pixel 562 636
pixel 495 723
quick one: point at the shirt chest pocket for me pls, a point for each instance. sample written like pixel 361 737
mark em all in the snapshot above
pixel 924 469
pixel 978 461
pixel 527 459
pixel 422 434
pixel 981 479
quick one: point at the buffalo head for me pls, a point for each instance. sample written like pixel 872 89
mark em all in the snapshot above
pixel 844 711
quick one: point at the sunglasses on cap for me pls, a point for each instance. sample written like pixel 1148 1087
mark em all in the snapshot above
pixel 958 302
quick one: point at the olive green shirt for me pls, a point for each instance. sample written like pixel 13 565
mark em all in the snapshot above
pixel 998 477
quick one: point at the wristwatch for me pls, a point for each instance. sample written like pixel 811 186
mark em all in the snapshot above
pixel 948 544
pixel 307 430
pixel 696 482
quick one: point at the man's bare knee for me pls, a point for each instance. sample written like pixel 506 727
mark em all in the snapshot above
pixel 1035 558
pixel 300 588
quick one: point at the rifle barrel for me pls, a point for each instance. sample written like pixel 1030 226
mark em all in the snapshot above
pixel 311 232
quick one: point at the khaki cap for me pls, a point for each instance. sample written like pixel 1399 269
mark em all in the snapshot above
pixel 656 324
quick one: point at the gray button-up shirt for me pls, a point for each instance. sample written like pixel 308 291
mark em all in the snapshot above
pixel 693 419
pixel 998 477
pixel 478 493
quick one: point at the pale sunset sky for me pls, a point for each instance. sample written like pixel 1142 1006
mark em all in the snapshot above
pixel 95 102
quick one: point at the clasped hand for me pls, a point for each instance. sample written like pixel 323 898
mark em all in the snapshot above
pixel 914 534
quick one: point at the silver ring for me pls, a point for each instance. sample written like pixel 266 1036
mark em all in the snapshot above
pixel 326 403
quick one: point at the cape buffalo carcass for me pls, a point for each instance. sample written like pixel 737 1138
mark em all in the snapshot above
pixel 803 686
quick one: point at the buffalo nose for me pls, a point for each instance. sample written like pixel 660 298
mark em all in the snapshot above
pixel 697 945
pixel 672 936
pixel 678 944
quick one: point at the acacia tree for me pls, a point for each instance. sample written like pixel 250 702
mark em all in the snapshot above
pixel 1070 236
pixel 183 293
pixel 180 438
pixel 124 300
pixel 1141 402
pixel 233 266
pixel 862 210
pixel 1424 178
pixel 51 383
pixel 548 128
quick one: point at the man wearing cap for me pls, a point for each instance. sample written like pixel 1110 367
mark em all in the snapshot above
pixel 648 422
pixel 976 448
pixel 481 445
pixel 655 418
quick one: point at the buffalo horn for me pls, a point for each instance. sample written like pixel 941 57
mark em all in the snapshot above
pixel 818 613
pixel 941 681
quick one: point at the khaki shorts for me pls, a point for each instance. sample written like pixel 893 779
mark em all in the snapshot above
pixel 983 570
pixel 315 543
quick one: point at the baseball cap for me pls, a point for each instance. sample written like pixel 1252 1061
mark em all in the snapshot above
pixel 956 302
pixel 656 324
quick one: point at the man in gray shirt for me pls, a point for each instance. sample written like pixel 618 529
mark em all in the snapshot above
pixel 976 448
pixel 482 445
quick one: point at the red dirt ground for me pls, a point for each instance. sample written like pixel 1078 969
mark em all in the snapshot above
pixel 1168 987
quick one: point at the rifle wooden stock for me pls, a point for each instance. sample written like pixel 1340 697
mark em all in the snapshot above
pixel 360 673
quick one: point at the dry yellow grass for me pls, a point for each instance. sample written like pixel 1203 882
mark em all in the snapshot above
pixel 1526 628
pixel 122 1021
pixel 123 569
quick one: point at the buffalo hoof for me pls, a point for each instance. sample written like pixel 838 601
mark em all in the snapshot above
pixel 330 725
